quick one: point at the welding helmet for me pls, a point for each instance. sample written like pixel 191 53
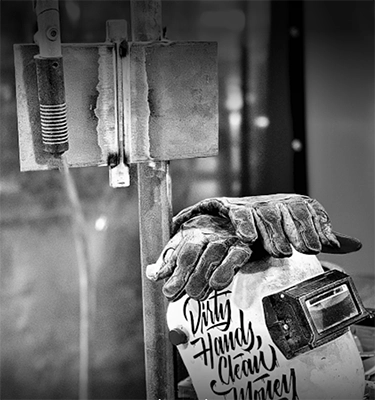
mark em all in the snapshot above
pixel 279 331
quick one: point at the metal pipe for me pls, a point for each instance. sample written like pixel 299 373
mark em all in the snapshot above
pixel 155 214
pixel 146 20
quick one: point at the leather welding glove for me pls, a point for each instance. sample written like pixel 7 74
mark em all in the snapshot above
pixel 204 255
pixel 278 220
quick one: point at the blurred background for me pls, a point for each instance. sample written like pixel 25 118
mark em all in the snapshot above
pixel 296 84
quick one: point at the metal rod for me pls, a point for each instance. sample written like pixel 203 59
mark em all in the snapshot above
pixel 117 33
pixel 155 213
pixel 48 35
pixel 146 20
pixel 50 77
pixel 154 216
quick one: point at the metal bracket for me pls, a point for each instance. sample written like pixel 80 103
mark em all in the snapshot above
pixel 127 103
pixel 118 166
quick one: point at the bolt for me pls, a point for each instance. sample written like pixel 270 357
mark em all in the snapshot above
pixel 178 336
pixel 52 33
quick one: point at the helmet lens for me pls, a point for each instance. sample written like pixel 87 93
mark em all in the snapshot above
pixel 331 308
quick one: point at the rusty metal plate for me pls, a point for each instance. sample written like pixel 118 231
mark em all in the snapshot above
pixel 81 77
pixel 174 103
pixel 179 82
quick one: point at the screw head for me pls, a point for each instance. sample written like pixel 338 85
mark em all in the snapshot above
pixel 52 33
pixel 286 327
pixel 178 336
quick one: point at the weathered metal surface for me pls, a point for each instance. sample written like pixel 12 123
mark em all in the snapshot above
pixel 81 77
pixel 174 98
pixel 155 216
pixel 117 33
pixel 180 116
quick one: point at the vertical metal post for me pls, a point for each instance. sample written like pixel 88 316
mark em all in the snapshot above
pixel 155 213
pixel 48 36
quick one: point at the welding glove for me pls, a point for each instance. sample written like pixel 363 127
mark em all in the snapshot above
pixel 279 221
pixel 202 256
pixel 212 239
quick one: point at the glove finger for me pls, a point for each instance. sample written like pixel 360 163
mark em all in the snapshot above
pixel 223 275
pixel 161 269
pixel 166 263
pixel 243 222
pixel 186 260
pixel 213 255
pixel 152 271
pixel 213 226
pixel 300 228
pixel 269 222
pixel 322 223
pixel 208 206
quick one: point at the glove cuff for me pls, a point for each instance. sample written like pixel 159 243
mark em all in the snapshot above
pixel 348 244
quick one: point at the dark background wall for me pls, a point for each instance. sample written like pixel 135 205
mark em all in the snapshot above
pixel 340 119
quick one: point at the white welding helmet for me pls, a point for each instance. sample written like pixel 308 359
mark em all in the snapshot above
pixel 279 331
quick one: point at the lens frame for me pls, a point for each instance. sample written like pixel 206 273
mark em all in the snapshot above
pixel 290 323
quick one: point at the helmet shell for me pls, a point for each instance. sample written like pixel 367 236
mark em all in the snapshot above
pixel 230 354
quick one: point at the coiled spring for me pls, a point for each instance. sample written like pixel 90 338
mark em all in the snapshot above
pixel 54 124
pixel 53 110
